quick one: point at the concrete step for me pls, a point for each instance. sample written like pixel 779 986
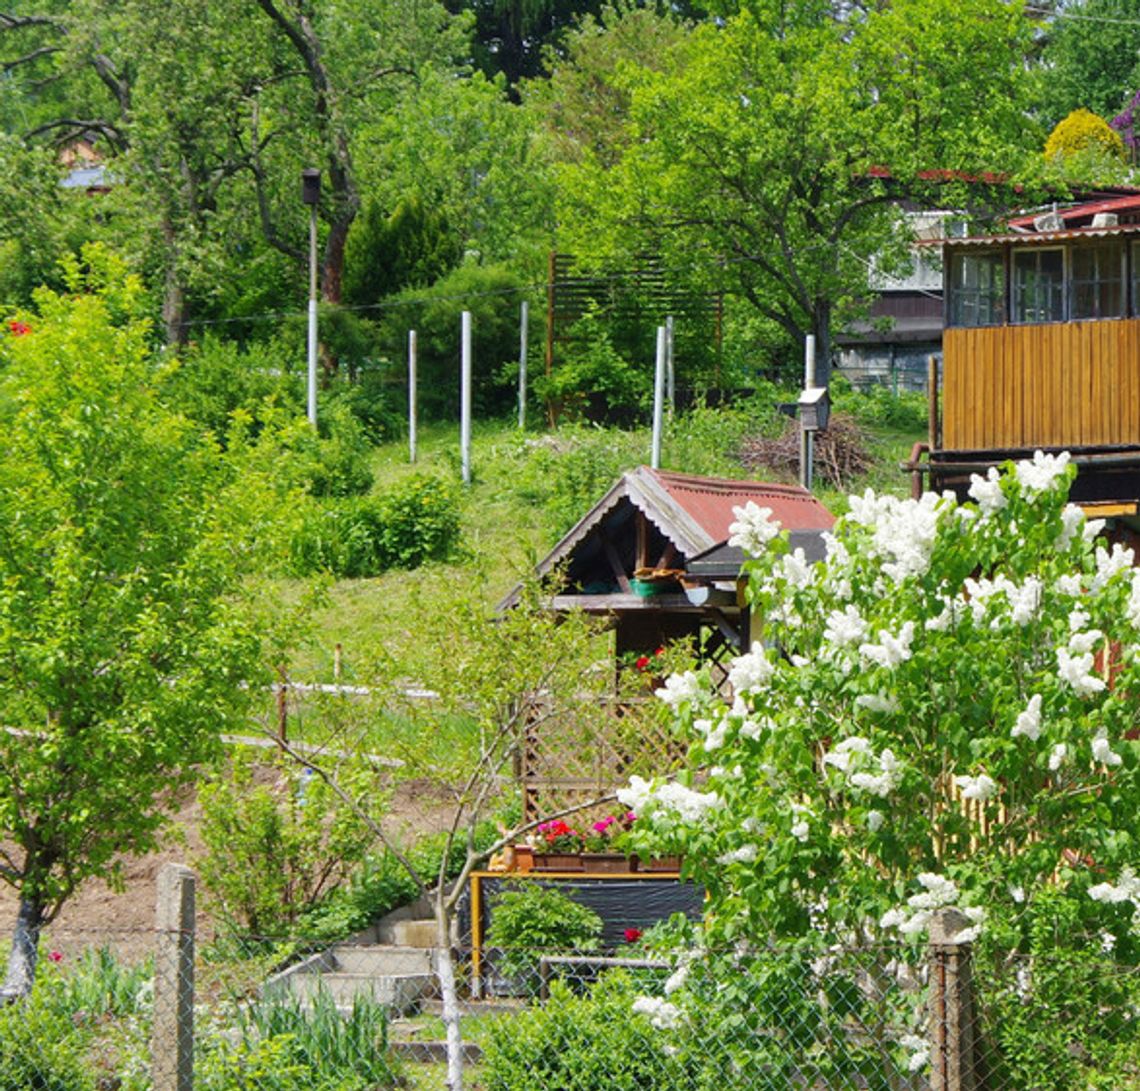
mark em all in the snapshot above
pixel 381 959
pixel 415 933
pixel 400 993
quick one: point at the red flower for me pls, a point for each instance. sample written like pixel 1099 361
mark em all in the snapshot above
pixel 660 651
pixel 642 663
pixel 18 329
pixel 632 935
pixel 55 956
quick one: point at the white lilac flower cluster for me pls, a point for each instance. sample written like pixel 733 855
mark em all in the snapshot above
pixel 751 672
pixel 903 532
pixel 891 650
pixel 1023 601
pixel 987 492
pixel 1075 663
pixel 1126 889
pixel 753 530
pixel 862 768
pixel 663 1014
pixel 919 1050
pixel 1042 472
pixel 680 688
pixel 982 788
pixel 938 893
pixel 690 806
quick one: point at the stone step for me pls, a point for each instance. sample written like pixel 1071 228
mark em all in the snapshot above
pixel 381 959
pixel 415 933
pixel 399 992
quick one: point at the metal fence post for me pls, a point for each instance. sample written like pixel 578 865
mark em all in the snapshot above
pixel 953 1044
pixel 172 1044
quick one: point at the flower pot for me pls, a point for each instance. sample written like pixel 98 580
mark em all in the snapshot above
pixel 606 861
pixel 558 861
pixel 660 863
pixel 524 858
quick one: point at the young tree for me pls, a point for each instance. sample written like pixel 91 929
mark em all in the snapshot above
pixel 128 635
pixel 942 713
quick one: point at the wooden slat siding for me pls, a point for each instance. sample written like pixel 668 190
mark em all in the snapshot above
pixel 1071 384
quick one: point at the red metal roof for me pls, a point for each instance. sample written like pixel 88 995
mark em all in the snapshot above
pixel 1130 203
pixel 709 502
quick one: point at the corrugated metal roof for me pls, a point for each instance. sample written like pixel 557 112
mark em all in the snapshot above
pixel 694 513
pixel 1079 211
pixel 1038 238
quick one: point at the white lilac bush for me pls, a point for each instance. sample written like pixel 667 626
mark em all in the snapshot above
pixel 984 652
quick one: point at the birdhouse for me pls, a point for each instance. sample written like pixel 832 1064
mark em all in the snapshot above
pixel 815 408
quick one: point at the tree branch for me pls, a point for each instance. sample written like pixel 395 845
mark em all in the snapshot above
pixel 27 58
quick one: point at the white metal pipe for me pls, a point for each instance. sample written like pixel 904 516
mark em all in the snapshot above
pixel 523 330
pixel 312 354
pixel 658 398
pixel 411 395
pixel 465 396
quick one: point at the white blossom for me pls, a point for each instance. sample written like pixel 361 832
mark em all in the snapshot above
pixel 1029 721
pixel 1134 601
pixel 796 569
pixel 753 530
pixel 987 491
pixel 1076 671
pixel 1102 751
pixel 891 650
pixel 1017 893
pixel 678 977
pixel 690 806
pixel 919 1050
pixel 750 672
pixel 844 751
pixel 877 702
pixel 746 854
pixel 679 688
pixel 1126 889
pixel 1040 474
pixel 663 1015
pixel 637 795
pixel 800 830
pixel 1069 584
pixel 845 627
pixel 875 820
pixel 1078 619
pixel 1057 756
pixel 1110 564
pixel 882 783
pixel 1072 520
pixel 980 787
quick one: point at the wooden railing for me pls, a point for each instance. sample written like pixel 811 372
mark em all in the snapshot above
pixel 1066 384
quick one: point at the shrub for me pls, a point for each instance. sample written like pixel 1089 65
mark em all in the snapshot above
pixel 413 522
pixel 337 459
pixel 589 1041
pixel 1084 131
pixel 41 1049
pixel 531 920
pixel 274 849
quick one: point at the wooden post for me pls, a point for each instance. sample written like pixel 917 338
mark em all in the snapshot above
pixel 338 656
pixel 954 1055
pixel 282 705
pixel 172 1043
pixel 932 400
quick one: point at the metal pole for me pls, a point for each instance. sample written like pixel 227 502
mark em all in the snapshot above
pixel 313 315
pixel 658 398
pixel 806 451
pixel 465 396
pixel 523 331
pixel 670 372
pixel 411 395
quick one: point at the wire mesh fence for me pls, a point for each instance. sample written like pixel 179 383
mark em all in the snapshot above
pixel 114 1012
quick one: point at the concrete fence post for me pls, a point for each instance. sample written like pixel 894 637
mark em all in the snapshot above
pixel 954 1053
pixel 172 1044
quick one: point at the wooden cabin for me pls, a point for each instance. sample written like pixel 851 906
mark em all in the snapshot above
pixel 1041 350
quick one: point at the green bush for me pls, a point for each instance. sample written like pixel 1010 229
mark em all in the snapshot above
pixel 410 523
pixel 336 461
pixel 531 920
pixel 881 408
pixel 590 1041
pixel 41 1049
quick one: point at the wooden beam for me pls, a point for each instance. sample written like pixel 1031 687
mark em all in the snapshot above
pixel 642 541
pixel 615 561
pixel 731 635
pixel 1106 509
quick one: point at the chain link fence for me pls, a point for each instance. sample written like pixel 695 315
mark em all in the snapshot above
pixel 136 1011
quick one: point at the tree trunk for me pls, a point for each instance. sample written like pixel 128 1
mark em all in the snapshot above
pixel 173 296
pixel 449 993
pixel 25 946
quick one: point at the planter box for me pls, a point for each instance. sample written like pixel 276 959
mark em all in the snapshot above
pixel 558 861
pixel 606 862
pixel 660 863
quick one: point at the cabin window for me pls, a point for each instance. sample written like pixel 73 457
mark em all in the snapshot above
pixel 977 289
pixel 1039 285
pixel 1097 281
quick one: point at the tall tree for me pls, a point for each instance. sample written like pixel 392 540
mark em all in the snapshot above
pixel 767 156
pixel 127 626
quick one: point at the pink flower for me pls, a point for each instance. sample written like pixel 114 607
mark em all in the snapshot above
pixel 632 935
pixel 55 956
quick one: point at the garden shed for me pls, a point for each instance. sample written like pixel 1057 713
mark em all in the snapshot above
pixel 652 558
